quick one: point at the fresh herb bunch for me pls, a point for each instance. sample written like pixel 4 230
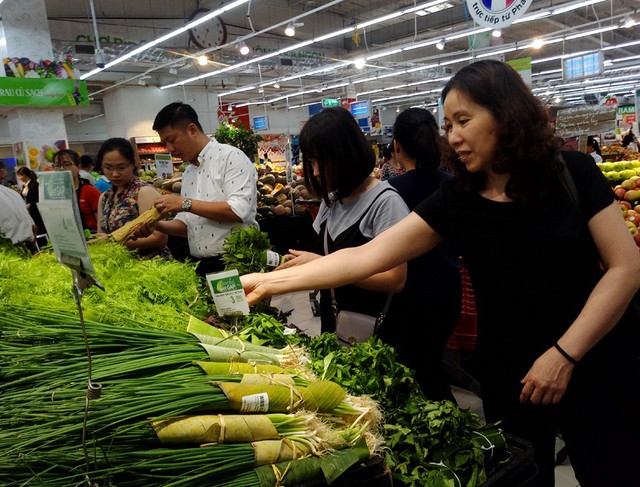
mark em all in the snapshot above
pixel 245 250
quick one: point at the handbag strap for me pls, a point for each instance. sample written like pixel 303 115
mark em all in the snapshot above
pixel 334 303
pixel 568 183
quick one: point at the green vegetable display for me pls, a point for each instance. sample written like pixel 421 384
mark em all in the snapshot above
pixel 245 249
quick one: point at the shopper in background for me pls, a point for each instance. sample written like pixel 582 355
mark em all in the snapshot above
pixel 558 342
pixel 127 198
pixel 88 196
pixel 593 148
pixel 337 162
pixel 218 188
pixel 15 222
pixel 86 164
pixel 629 140
pixel 431 299
pixel 31 195
pixel 390 167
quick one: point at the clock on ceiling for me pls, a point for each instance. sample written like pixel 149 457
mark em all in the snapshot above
pixel 211 33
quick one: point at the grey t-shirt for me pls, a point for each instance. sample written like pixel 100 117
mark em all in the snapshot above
pixel 386 211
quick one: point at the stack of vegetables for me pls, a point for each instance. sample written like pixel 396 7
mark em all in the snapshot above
pixel 152 373
pixel 194 436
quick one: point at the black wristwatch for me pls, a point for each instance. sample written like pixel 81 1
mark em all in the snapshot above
pixel 186 204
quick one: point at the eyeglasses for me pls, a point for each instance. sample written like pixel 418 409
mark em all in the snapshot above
pixel 61 165
pixel 118 169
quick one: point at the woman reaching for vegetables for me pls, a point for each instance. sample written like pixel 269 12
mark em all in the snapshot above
pixel 338 162
pixel 557 339
pixel 127 197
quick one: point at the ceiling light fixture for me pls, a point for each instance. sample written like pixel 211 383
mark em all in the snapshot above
pixel 276 86
pixel 537 43
pixel 203 60
pixel 243 48
pixel 359 63
pixel 421 13
pixel 290 30
pixel 440 44
pixel 173 71
pixel 628 22
pixel 166 37
pixel 496 33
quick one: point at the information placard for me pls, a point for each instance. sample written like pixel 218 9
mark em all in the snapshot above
pixel 227 293
pixel 58 206
pixel 164 165
pixel 588 120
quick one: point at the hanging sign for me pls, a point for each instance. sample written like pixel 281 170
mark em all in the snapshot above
pixel 43 92
pixel 585 120
pixel 58 206
pixel 330 102
pixel 497 13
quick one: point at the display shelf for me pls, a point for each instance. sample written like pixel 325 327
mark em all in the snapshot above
pixel 146 148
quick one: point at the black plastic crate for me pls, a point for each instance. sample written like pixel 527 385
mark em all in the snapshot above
pixel 518 467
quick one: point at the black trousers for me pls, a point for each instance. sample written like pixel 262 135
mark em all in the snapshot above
pixel 207 265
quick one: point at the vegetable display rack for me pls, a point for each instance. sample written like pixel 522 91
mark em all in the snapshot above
pixel 465 333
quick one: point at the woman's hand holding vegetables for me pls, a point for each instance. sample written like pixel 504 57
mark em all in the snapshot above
pixel 297 257
pixel 253 287
pixel 547 380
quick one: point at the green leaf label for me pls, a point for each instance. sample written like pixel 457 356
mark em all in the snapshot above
pixel 226 284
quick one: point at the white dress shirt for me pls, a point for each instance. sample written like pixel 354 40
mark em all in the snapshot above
pixel 226 174
pixel 15 221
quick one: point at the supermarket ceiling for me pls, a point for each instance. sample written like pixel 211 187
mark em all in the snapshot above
pixel 392 52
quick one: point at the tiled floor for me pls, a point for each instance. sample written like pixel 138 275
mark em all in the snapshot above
pixel 303 318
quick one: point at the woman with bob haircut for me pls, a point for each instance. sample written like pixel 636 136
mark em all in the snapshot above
pixel 338 161
pixel 554 270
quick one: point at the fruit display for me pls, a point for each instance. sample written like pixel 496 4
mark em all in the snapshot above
pixel 620 170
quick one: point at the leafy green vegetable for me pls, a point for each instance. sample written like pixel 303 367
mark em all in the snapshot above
pixel 246 250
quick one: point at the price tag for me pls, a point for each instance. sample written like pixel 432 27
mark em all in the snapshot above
pixel 255 403
pixel 273 258
pixel 227 293
pixel 164 165
pixel 58 206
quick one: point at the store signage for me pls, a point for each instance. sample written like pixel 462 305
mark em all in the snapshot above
pixel 575 121
pixel 260 123
pixel 523 67
pixel 227 292
pixel 583 66
pixel 360 109
pixel 43 92
pixel 497 13
pixel 58 206
pixel 164 165
pixel 330 102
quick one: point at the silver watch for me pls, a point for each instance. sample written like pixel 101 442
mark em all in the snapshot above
pixel 186 204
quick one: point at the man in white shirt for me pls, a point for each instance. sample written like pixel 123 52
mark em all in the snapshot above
pixel 15 221
pixel 218 187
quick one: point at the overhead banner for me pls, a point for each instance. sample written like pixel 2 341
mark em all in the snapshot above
pixel 43 92
pixel 497 13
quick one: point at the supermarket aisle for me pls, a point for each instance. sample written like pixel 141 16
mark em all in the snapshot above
pixel 303 318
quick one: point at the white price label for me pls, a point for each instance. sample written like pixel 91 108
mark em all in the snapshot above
pixel 273 258
pixel 227 293
pixel 255 403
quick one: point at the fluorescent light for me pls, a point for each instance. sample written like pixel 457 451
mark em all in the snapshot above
pixel 537 43
pixel 496 53
pixel 243 48
pixel 238 90
pixel 591 32
pixel 574 6
pixel 168 36
pixel 421 13
pixel 440 44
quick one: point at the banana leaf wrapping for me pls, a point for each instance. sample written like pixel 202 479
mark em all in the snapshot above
pixel 215 429
pixel 224 354
pixel 268 452
pixel 222 368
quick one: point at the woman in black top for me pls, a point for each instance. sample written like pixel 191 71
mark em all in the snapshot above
pixel 31 195
pixel 558 340
pixel 430 301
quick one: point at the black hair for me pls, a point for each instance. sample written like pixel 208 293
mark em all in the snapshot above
pixel 3 165
pixel 123 146
pixel 86 161
pixel 627 139
pixel 526 144
pixel 386 152
pixel 176 115
pixel 75 157
pixel 345 158
pixel 593 143
pixel 25 171
pixel 417 132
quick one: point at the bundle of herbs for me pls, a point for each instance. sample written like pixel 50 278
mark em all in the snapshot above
pixel 247 249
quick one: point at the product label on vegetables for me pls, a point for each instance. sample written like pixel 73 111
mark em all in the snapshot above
pixel 58 206
pixel 164 165
pixel 227 293
pixel 273 258
pixel 255 403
